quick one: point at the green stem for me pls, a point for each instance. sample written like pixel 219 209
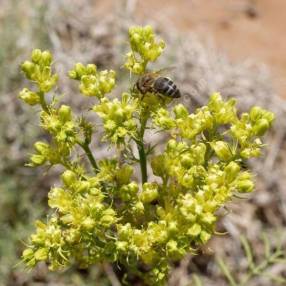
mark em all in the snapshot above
pixel 90 157
pixel 43 102
pixel 141 150
pixel 143 162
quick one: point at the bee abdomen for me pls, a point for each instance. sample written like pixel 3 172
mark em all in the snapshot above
pixel 166 87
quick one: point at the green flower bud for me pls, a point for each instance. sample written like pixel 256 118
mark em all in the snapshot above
pixel 133 187
pixel 46 58
pixel 172 227
pixel 180 111
pixel 37 160
pixel 205 236
pixel 255 113
pixel 172 144
pixel 158 165
pixel 28 257
pixel 222 150
pixel 195 230
pixel 231 171
pixel 138 208
pixel 42 147
pixel 29 97
pixel 245 186
pixel 149 193
pixel 65 113
pixel 88 223
pixel 123 175
pixel 208 218
pixel 28 68
pixel 83 186
pixel 69 178
pixel 187 180
pixel 144 45
pixel 90 69
pixel 36 56
pixel 261 126
pixel 121 246
pixel 187 160
pixel 41 254
pixel 108 217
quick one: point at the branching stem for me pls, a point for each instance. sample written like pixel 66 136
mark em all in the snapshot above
pixel 90 157
pixel 141 150
pixel 43 102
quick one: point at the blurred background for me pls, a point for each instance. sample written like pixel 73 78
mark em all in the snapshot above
pixel 236 47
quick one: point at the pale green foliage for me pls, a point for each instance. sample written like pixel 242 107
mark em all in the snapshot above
pixel 274 254
pixel 106 214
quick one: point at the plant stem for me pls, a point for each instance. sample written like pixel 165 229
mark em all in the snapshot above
pixel 141 150
pixel 43 102
pixel 91 159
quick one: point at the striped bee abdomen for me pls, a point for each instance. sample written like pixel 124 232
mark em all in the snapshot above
pixel 166 86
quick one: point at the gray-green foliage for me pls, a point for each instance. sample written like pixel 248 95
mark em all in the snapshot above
pixel 258 266
pixel 19 28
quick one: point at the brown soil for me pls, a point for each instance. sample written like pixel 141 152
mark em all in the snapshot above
pixel 242 28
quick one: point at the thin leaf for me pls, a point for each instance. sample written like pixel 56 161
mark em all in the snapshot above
pixel 248 252
pixel 266 245
pixel 226 272
pixel 197 280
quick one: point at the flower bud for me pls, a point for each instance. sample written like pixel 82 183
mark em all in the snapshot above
pixel 194 230
pixel 208 218
pixel 173 250
pixel 255 113
pixel 180 111
pixel 231 171
pixel 261 127
pixel 123 175
pixel 205 236
pixel 133 187
pixel 36 56
pixel 222 150
pixel 37 160
pixel 149 193
pixel 172 227
pixel 187 180
pixel 41 254
pixel 28 68
pixel 91 69
pixel 138 68
pixel 65 113
pixel 69 178
pixel 42 147
pixel 80 70
pixel 158 165
pixel 246 153
pixel 172 144
pixel 121 246
pixel 73 74
pixel 46 58
pixel 187 160
pixel 88 223
pixel 245 186
pixel 138 208
pixel 83 186
pixel 28 257
pixel 29 97
pixel 108 217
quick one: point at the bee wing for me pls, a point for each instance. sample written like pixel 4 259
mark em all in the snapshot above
pixel 165 71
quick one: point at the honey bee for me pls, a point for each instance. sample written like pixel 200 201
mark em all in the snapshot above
pixel 155 83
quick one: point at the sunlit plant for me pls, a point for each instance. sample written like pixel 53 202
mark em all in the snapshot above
pixel 102 212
